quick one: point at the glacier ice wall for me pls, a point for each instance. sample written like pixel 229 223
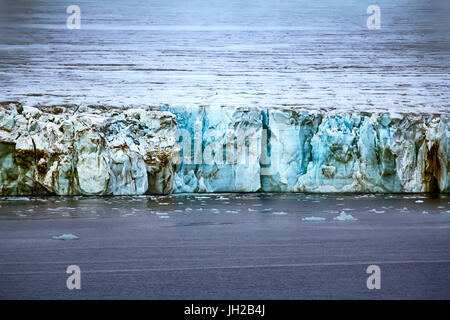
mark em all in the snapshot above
pixel 71 150
pixel 316 151
pixel 364 152
pixel 211 162
pixel 86 151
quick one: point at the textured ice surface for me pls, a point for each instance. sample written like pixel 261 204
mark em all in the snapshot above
pixel 313 151
pixel 358 152
pixel 313 219
pixel 87 151
pixel 66 236
pixel 316 55
pixel 344 217
pixel 208 164
pixel 101 151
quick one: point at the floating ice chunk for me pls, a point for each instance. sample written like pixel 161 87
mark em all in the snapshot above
pixel 313 219
pixel 377 211
pixel 251 210
pixel 127 214
pixel 66 236
pixel 161 213
pixel 279 213
pixel 344 217
pixel 425 212
pixel 16 199
pixel 232 211
pixel 418 201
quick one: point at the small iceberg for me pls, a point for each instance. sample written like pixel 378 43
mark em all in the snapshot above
pixel 377 211
pixel 15 199
pixel 66 236
pixel 344 217
pixel 279 213
pixel 313 219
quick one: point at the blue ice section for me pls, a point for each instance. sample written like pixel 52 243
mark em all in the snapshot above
pixel 207 165
pixel 314 151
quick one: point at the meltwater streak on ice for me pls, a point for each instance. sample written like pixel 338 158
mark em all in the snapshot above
pixel 317 54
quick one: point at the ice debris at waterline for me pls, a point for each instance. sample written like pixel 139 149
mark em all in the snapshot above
pixel 66 236
pixel 279 213
pixel 313 219
pixel 344 217
pixel 97 150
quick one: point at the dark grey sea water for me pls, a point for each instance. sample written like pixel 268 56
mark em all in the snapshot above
pixel 226 246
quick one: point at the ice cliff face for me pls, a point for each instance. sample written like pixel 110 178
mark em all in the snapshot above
pixel 220 149
pixel 359 152
pixel 102 151
pixel 295 150
pixel 90 151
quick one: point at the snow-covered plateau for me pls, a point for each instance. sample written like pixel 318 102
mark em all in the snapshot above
pixel 98 150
